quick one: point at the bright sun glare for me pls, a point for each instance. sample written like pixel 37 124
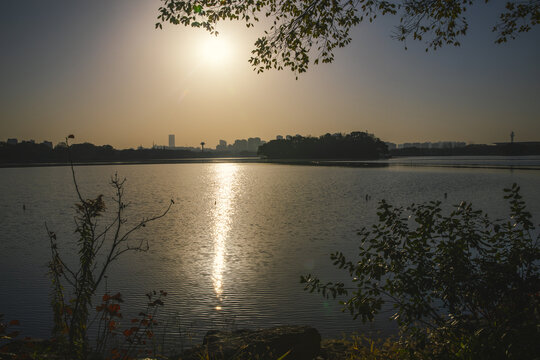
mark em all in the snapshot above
pixel 215 51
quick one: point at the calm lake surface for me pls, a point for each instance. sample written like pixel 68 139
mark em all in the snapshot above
pixel 231 251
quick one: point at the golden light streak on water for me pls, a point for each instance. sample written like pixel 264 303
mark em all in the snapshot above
pixel 225 192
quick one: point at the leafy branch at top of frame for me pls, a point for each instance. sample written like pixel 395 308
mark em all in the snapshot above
pixel 307 32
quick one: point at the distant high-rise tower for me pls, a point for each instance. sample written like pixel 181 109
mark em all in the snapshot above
pixel 512 137
pixel 171 141
pixel 222 146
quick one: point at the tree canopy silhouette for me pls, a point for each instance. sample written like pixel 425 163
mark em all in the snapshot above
pixel 356 145
pixel 308 31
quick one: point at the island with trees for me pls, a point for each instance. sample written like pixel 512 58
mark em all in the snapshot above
pixel 356 145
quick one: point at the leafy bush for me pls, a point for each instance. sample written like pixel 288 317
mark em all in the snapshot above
pixel 462 285
pixel 133 341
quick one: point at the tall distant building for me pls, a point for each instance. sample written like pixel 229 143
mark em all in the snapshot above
pixel 222 146
pixel 240 145
pixel 254 143
pixel 171 141
pixel 390 145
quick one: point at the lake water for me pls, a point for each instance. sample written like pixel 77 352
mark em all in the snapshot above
pixel 231 251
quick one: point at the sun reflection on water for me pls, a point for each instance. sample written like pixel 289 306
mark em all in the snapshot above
pixel 223 208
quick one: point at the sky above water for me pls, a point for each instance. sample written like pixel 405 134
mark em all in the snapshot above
pixel 99 69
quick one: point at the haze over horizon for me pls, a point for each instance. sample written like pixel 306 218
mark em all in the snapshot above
pixel 101 71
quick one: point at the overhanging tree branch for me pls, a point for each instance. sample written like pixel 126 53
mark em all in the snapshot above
pixel 305 32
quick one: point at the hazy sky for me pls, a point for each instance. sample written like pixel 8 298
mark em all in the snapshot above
pixel 99 70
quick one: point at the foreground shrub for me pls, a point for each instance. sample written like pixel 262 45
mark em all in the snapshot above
pixel 462 285
pixel 98 246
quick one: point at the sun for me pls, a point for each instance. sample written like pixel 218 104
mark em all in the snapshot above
pixel 215 51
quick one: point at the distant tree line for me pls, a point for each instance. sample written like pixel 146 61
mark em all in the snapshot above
pixel 506 149
pixel 356 145
pixel 27 152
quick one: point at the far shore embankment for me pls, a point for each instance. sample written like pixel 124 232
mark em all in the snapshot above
pixel 467 162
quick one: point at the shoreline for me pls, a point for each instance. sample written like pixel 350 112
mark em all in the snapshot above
pixel 352 163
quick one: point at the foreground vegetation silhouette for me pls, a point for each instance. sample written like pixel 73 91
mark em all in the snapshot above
pixel 74 289
pixel 462 286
